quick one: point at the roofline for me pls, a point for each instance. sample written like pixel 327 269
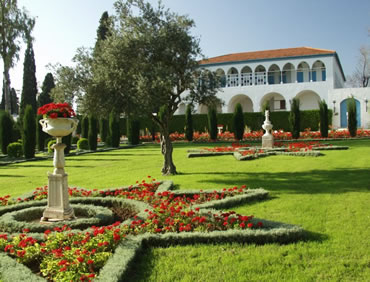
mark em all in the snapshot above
pixel 279 59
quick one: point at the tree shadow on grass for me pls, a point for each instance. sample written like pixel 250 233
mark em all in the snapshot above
pixel 310 182
pixel 8 175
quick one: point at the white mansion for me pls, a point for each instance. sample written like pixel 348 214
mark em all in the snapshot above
pixel 277 76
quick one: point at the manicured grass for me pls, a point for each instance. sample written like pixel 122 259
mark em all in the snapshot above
pixel 328 196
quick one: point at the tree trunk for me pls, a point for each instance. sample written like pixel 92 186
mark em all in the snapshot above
pixel 6 83
pixel 166 148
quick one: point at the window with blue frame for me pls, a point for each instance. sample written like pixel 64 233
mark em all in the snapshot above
pixel 271 79
pixel 314 76
pixel 284 77
pixel 223 81
pixel 324 75
pixel 300 76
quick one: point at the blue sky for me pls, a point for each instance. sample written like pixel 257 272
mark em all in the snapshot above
pixel 223 27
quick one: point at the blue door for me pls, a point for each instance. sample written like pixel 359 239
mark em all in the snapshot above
pixel 343 113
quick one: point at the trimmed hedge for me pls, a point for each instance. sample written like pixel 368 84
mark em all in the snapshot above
pixel 83 144
pixel 15 150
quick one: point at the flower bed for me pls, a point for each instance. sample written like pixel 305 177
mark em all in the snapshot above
pixel 163 217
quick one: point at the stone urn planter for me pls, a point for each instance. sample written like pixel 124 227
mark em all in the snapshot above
pixel 58 207
pixel 267 138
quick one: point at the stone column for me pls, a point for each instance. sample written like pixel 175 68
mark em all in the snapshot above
pixel 267 138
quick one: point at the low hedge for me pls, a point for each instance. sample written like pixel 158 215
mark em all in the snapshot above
pixel 15 150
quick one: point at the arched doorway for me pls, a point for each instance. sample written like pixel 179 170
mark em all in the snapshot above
pixel 308 100
pixel 244 101
pixel 276 102
pixel 344 115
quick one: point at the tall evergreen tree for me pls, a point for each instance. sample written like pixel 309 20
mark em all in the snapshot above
pixel 238 122
pixel 114 134
pixel 103 129
pixel 48 84
pixel 6 130
pixel 29 89
pixel 2 104
pixel 93 133
pixel 14 101
pixel 40 135
pixel 133 130
pixel 85 127
pixel 324 119
pixel 103 31
pixel 352 120
pixel 189 130
pixel 295 118
pixel 29 133
pixel 212 123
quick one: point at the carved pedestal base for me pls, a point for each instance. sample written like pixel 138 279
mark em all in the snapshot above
pixel 58 202
pixel 267 141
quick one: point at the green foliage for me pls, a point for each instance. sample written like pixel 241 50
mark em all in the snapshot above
pixel 75 139
pixel 67 140
pixel 50 144
pixel 103 123
pixel 93 132
pixel 133 131
pixel 29 89
pixel 6 130
pixel 352 119
pixel 48 84
pixel 189 123
pixel 83 144
pixel 29 132
pixel 212 123
pixel 40 135
pixel 238 122
pixel 114 130
pixel 265 107
pixel 85 127
pixel 324 118
pixel 15 150
pixel 294 118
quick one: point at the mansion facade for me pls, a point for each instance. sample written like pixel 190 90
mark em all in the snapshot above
pixel 277 76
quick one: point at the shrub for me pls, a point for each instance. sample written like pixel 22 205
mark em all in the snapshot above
pixel 189 131
pixel 83 144
pixel 103 129
pixel 6 130
pixel 212 123
pixel 15 150
pixel 352 120
pixel 294 118
pixel 40 135
pixel 114 132
pixel 75 139
pixel 85 127
pixel 93 133
pixel 29 132
pixel 324 118
pixel 51 143
pixel 133 131
pixel 238 122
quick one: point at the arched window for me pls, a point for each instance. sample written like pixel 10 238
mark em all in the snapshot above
pixel 232 77
pixel 318 71
pixel 274 75
pixel 260 75
pixel 288 73
pixel 303 72
pixel 221 74
pixel 246 76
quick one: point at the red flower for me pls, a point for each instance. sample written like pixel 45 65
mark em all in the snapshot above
pixel 80 259
pixel 250 225
pixel 90 261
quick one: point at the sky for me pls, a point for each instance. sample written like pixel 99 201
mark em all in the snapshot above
pixel 223 27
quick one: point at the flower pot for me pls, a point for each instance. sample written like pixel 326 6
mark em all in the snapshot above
pixel 58 127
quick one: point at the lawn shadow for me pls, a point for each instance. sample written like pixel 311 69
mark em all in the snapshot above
pixel 311 182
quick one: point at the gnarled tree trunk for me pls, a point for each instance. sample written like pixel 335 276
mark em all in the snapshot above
pixel 166 148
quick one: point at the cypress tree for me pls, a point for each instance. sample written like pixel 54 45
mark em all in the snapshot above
pixel 14 102
pixel 294 118
pixel 324 119
pixel 2 104
pixel 114 134
pixel 29 133
pixel 85 127
pixel 68 141
pixel 48 84
pixel 212 123
pixel 133 130
pixel 352 119
pixel 103 129
pixel 93 133
pixel 238 122
pixel 40 135
pixel 6 130
pixel 189 130
pixel 29 89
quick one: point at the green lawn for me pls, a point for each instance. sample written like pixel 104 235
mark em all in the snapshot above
pixel 328 196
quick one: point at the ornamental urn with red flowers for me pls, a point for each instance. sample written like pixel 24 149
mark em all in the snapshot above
pixel 58 119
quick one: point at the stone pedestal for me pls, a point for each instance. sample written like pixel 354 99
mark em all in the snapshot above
pixel 58 207
pixel 267 138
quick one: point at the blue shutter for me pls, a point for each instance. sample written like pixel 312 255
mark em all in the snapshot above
pixel 314 76
pixel 324 75
pixel 300 76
